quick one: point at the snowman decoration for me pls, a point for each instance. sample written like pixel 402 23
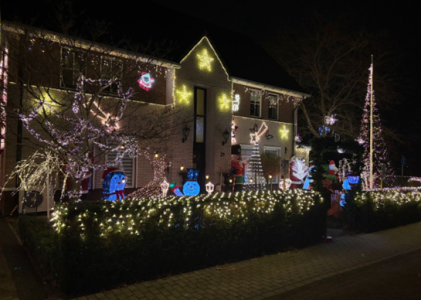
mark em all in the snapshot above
pixel 113 183
pixel 191 187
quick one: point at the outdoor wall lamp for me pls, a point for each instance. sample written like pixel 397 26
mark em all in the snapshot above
pixel 226 135
pixel 186 132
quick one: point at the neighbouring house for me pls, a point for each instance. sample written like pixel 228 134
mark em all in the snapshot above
pixel 224 93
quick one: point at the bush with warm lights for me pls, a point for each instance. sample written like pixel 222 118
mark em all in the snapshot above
pixel 384 208
pixel 99 244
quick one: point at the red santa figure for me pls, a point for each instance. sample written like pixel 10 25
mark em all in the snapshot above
pixel 332 168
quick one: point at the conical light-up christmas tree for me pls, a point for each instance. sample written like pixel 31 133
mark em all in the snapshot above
pixel 378 145
pixel 254 172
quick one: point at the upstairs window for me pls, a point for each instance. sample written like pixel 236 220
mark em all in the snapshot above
pixel 72 66
pixel 111 68
pixel 255 102
pixel 273 107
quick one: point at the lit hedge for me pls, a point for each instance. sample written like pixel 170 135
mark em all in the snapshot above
pixel 104 243
pixel 384 208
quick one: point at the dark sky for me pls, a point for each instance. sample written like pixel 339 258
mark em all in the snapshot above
pixel 260 20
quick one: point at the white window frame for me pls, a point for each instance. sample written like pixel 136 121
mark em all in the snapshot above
pixel 74 69
pixel 275 179
pixel 112 60
pixel 277 106
pixel 260 103
pixel 133 174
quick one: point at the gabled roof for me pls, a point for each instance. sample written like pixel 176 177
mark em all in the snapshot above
pixel 240 55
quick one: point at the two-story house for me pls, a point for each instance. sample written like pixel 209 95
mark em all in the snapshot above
pixel 227 94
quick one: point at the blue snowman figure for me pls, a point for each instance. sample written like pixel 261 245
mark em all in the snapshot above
pixel 191 187
pixel 113 183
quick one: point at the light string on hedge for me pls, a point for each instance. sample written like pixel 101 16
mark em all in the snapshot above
pixel 131 215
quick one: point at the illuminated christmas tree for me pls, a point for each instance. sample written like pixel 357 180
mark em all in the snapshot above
pixel 254 171
pixel 380 155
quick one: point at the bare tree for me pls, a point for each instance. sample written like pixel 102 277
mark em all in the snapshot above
pixel 330 60
pixel 79 100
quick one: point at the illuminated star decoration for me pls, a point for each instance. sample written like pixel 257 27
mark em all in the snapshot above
pixel 224 102
pixel 330 120
pixel 184 95
pixel 255 136
pixel 205 60
pixel 284 132
pixel 145 81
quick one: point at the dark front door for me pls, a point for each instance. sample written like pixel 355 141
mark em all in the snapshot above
pixel 199 145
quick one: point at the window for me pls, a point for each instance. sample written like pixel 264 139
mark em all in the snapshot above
pixel 111 68
pixel 273 107
pixel 255 104
pixel 127 165
pixel 72 66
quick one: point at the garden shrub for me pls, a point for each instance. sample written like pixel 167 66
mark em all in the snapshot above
pixel 99 244
pixel 383 209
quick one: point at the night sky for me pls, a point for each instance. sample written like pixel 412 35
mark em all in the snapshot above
pixel 260 20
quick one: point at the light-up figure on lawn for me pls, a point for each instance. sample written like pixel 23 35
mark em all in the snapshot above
pixel 191 187
pixel 113 184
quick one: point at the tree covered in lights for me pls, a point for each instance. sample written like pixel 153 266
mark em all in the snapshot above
pixel 380 154
pixel 77 101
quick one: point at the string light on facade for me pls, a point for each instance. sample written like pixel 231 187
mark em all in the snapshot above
pixel 145 81
pixel 236 103
pixel 255 136
pixel 205 60
pixel 233 130
pixel 183 95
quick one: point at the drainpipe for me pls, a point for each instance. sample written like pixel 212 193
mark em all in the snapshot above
pixel 294 129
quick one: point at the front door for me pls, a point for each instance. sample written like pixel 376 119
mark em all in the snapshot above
pixel 199 145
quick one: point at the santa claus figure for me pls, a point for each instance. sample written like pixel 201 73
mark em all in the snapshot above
pixel 331 173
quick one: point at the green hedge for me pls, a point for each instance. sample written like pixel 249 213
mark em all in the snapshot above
pixel 383 209
pixel 99 244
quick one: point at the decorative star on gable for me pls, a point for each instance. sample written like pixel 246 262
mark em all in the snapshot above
pixel 224 102
pixel 145 81
pixel 284 132
pixel 205 60
pixel 183 95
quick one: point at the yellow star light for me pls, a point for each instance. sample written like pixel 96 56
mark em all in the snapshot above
pixel 284 133
pixel 183 95
pixel 224 102
pixel 205 60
